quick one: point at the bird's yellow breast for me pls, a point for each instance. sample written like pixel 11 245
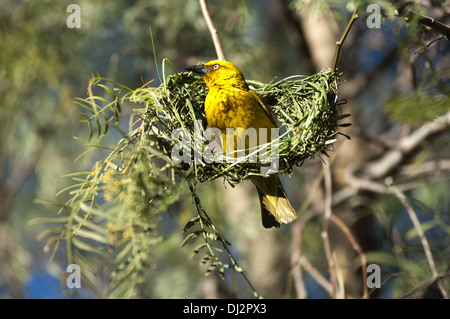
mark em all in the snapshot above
pixel 231 108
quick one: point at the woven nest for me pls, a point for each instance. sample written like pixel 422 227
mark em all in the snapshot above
pixel 307 109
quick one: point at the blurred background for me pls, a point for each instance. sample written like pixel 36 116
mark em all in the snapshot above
pixel 395 79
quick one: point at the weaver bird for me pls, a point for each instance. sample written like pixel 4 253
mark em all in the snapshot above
pixel 231 104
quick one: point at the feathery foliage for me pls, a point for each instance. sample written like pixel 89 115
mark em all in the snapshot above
pixel 116 207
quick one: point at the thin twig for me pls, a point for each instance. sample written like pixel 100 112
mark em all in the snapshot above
pixel 380 188
pixel 338 222
pixel 425 283
pixel 408 14
pixel 430 167
pixel 297 239
pixel 342 39
pixel 298 261
pixel 299 284
pixel 423 239
pixel 429 44
pixel 296 254
pixel 313 272
pixel 212 30
pixel 407 146
pixel 202 213
pixel 326 222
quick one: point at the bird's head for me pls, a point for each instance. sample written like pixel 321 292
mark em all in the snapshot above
pixel 220 74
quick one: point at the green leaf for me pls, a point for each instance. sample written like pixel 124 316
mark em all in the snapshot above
pixel 191 223
pixel 86 247
pixel 205 259
pixel 107 89
pixel 188 237
pixel 416 107
pixel 90 235
pixel 124 252
pixel 47 220
pixel 379 257
pixel 412 233
pixel 197 249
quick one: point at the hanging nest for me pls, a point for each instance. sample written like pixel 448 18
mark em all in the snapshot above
pixel 307 109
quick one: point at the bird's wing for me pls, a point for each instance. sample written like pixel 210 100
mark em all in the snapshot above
pixel 265 109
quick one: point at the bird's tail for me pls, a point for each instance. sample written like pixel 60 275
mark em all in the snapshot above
pixel 275 206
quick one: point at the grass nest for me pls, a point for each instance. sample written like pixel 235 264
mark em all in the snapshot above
pixel 307 109
pixel 117 204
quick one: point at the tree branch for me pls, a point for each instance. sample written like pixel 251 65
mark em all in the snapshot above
pixel 431 42
pixel 365 184
pixel 313 272
pixel 296 255
pixel 407 146
pixel 212 30
pixel 351 238
pixel 403 11
pixel 342 39
pixel 325 226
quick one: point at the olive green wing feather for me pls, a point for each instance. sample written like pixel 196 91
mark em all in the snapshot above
pixel 265 108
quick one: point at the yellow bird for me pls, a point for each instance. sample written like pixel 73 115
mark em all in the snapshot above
pixel 231 104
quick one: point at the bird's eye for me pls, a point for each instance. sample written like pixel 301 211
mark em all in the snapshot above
pixel 216 66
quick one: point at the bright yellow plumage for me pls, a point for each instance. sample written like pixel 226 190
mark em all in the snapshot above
pixel 231 104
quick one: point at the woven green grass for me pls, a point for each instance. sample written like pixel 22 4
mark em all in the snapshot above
pixel 307 109
pixel 136 177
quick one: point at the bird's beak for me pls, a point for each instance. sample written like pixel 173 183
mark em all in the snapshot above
pixel 199 69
